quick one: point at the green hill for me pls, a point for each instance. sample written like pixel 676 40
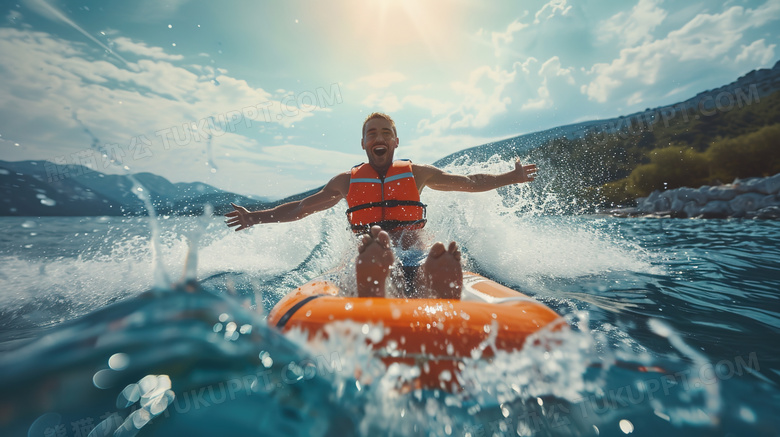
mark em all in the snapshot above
pixel 687 147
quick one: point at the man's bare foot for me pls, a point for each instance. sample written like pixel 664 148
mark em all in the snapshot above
pixel 372 265
pixel 441 275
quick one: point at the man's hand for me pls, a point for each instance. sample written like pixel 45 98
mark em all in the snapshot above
pixel 241 217
pixel 524 173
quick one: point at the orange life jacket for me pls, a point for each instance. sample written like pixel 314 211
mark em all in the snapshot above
pixel 391 202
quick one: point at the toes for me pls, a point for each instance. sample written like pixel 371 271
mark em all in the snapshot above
pixel 453 250
pixel 383 239
pixel 437 250
pixel 365 240
pixel 375 230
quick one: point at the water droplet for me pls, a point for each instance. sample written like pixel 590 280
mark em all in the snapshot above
pixel 747 414
pixel 46 201
pixel 102 379
pixel 173 44
pixel 348 306
pixel 365 328
pixel 246 329
pixel 265 359
pixel 170 26
pixel 118 361
pixel 223 317
pixel 626 426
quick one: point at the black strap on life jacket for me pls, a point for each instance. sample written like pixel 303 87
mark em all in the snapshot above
pixel 387 225
pixel 388 204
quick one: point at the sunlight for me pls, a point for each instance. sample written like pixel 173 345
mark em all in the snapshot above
pixel 420 29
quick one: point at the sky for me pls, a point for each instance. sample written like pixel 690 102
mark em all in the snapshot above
pixel 267 98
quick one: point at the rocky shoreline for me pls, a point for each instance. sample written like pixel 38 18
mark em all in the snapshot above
pixel 753 198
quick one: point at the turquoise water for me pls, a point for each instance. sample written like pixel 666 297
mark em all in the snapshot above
pixel 675 327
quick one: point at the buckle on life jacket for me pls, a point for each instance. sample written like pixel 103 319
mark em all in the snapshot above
pixel 389 225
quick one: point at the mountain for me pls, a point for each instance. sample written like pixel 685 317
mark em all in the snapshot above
pixel 585 157
pixel 41 188
pixel 745 91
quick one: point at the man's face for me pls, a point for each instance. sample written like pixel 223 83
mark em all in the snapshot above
pixel 379 142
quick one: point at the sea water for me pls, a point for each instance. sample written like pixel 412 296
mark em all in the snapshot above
pixel 675 327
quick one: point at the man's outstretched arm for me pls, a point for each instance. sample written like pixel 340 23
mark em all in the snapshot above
pixel 440 180
pixel 326 198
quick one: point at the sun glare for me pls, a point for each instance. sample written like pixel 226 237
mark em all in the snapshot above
pixel 409 28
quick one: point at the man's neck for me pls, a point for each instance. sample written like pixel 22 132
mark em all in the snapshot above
pixel 381 171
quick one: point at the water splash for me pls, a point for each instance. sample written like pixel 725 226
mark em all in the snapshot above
pixel 161 280
pixel 191 263
pixel 53 13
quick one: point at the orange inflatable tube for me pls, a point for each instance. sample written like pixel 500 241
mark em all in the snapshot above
pixel 434 334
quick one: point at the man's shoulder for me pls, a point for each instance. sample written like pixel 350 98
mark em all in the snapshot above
pixel 342 177
pixel 339 183
pixel 424 168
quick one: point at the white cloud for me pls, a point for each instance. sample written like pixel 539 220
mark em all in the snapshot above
pixel 437 107
pixel 124 44
pixel 13 17
pixel 311 159
pixel 430 148
pixel 481 99
pixel 550 69
pixel 500 39
pixel 383 102
pixel 706 37
pixel 381 80
pixel 756 53
pixel 420 87
pixel 554 7
pixel 54 79
pixel 635 27
pixel 525 66
pixel 634 98
pixel 389 103
pixel 543 100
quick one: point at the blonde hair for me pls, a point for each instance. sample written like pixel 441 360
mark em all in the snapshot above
pixel 374 115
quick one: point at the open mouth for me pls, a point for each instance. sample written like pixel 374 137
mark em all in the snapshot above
pixel 380 150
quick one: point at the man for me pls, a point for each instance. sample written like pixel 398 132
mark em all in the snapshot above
pixel 384 204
